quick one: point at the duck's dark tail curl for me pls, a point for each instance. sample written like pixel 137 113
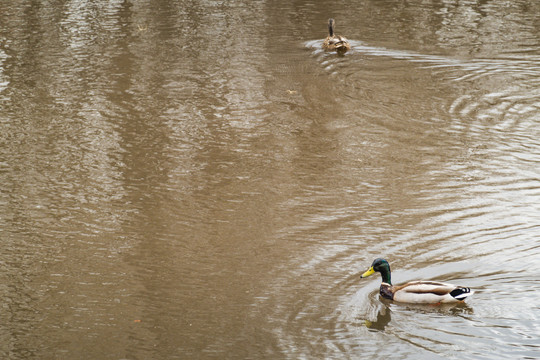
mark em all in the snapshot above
pixel 461 293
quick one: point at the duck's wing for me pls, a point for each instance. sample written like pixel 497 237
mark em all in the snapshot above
pixel 335 40
pixel 427 292
pixel 422 287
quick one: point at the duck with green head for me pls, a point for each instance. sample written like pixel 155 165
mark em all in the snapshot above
pixel 335 42
pixel 417 292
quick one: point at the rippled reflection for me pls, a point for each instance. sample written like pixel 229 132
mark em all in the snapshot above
pixel 198 179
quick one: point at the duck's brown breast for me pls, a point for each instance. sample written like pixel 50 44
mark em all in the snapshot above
pixel 386 291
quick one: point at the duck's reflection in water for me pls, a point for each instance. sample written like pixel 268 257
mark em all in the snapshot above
pixel 383 319
pixel 384 310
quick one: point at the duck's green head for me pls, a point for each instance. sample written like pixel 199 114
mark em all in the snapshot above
pixel 382 266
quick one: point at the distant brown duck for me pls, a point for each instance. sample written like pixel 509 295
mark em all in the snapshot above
pixel 335 42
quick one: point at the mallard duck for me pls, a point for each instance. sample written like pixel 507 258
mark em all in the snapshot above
pixel 417 292
pixel 335 42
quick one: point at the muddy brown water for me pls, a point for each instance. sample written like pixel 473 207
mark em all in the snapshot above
pixel 197 179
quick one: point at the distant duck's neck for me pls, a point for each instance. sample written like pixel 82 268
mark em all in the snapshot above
pixel 331 28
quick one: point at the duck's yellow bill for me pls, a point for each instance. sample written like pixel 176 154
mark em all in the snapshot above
pixel 369 272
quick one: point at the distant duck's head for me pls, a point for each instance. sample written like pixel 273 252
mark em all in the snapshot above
pixel 331 27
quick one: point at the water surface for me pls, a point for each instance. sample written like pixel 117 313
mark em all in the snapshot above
pixel 198 179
